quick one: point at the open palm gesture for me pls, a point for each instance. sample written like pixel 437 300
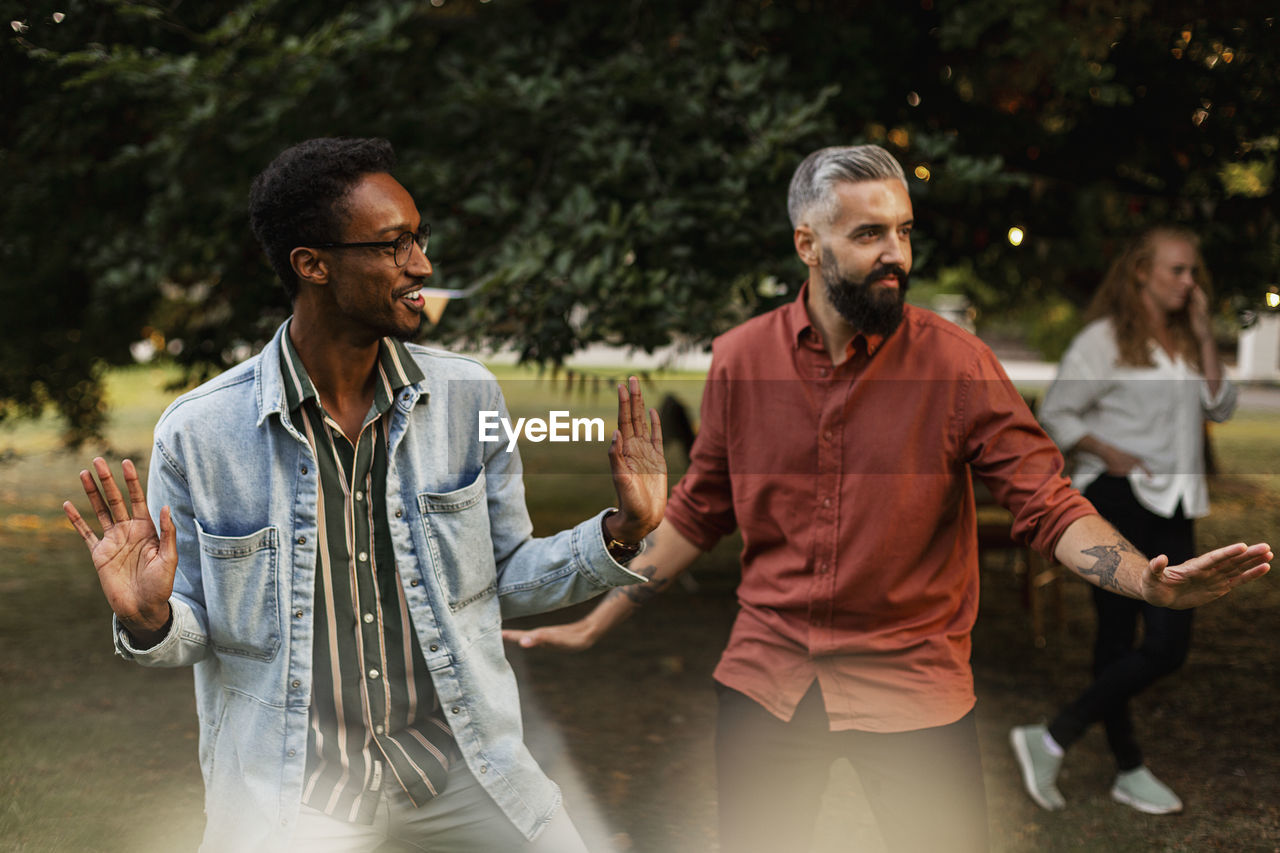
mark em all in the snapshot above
pixel 638 465
pixel 135 566
pixel 1205 578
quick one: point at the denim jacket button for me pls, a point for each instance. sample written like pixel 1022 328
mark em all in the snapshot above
pixel 434 647
pixel 297 683
pixel 302 540
pixel 297 614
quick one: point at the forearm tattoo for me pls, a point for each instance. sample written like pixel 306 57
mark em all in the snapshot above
pixel 642 593
pixel 1107 562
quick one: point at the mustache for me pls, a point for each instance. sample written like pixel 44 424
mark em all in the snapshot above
pixel 884 271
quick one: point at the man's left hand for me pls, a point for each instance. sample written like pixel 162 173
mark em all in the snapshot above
pixel 1204 578
pixel 639 467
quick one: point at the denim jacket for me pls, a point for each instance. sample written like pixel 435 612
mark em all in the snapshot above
pixel 241 482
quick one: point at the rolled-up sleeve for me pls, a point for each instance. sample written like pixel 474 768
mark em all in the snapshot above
pixel 1218 407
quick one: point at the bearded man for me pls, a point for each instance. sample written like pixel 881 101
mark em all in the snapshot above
pixel 859 581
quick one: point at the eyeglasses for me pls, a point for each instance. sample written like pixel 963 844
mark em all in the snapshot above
pixel 403 245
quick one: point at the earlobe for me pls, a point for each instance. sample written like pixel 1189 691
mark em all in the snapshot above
pixel 309 266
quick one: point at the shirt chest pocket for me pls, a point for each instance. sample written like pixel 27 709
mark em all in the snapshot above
pixel 239 575
pixel 456 524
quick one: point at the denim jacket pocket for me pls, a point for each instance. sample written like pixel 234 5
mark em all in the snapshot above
pixel 457 528
pixel 240 591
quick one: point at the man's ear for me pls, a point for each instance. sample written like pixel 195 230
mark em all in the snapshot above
pixel 309 266
pixel 807 245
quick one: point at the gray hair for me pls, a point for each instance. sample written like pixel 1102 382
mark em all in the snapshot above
pixel 811 186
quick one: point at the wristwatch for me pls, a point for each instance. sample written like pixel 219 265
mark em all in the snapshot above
pixel 620 551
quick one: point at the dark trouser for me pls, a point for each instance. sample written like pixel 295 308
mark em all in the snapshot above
pixel 925 787
pixel 1121 667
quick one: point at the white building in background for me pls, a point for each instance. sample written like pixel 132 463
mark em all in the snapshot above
pixel 1258 353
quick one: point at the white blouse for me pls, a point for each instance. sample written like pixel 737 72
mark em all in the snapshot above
pixel 1154 413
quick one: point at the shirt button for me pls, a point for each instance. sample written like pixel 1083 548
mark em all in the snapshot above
pixel 399 513
pixel 363 556
pixel 368 617
pixel 373 673
pixel 296 684
pixel 304 469
pixel 433 647
pixel 377 730
pixel 827 435
pixel 826 501
pixel 359 496
pixel 292 753
pixel 824 371
pixel 456 709
pixel 484 768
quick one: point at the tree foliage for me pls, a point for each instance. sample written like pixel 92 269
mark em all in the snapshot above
pixel 603 171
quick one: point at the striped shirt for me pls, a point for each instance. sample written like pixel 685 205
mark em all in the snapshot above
pixel 375 717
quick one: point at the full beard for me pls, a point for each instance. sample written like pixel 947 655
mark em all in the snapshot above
pixel 870 310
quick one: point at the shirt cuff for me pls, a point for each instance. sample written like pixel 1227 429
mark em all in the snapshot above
pixel 1218 407
pixel 594 558
pixel 124 642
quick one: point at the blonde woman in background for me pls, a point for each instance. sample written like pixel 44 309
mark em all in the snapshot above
pixel 1128 407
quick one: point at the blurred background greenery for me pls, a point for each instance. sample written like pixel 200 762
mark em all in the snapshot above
pixel 609 172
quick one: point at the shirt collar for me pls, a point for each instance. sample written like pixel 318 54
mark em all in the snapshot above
pixel 800 327
pixel 396 370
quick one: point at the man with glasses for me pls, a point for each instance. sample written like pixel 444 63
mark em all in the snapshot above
pixel 336 549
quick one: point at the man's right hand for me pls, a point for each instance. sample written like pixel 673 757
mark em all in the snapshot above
pixel 569 637
pixel 667 555
pixel 135 566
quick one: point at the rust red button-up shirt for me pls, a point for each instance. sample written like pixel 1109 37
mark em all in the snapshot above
pixel 852 486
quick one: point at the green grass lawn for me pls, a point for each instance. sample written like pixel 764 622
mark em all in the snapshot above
pixel 97 754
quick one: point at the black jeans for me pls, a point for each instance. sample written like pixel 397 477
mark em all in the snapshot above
pixel 1123 667
pixel 925 787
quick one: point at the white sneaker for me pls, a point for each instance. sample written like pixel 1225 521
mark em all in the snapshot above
pixel 1039 766
pixel 1140 789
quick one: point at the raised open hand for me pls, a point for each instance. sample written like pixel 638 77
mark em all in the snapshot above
pixel 638 465
pixel 1205 578
pixel 135 566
